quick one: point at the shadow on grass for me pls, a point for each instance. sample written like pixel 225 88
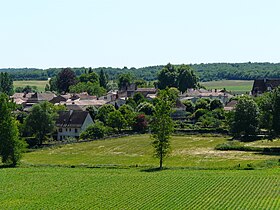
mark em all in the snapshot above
pixel 275 151
pixel 153 169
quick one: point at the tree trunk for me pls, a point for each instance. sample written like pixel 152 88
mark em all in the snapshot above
pixel 160 162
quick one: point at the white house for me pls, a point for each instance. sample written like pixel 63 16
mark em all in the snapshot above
pixel 72 123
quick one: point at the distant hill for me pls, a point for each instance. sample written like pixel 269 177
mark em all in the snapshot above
pixel 206 72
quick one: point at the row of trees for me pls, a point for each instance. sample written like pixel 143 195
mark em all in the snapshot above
pixel 251 115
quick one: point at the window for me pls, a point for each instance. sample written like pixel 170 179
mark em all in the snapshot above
pixel 69 129
pixel 60 130
pixel 66 129
pixel 76 130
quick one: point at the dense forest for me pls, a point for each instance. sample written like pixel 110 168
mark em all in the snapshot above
pixel 205 72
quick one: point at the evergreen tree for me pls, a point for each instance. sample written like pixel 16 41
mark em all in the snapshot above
pixel 11 147
pixel 103 80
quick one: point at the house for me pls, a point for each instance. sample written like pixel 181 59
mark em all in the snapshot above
pixel 230 105
pixel 264 85
pixel 39 97
pixel 21 98
pixel 72 123
pixel 130 90
pixel 195 94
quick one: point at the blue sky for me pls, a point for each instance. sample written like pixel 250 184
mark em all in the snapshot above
pixel 135 33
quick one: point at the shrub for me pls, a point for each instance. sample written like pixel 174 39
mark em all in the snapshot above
pixel 95 131
pixel 140 124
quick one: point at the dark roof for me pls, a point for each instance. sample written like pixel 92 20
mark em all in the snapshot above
pixel 263 85
pixel 39 97
pixel 57 99
pixel 71 118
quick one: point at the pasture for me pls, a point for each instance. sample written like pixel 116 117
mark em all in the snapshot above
pixel 40 84
pixel 235 86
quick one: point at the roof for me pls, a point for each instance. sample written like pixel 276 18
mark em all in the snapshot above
pixel 72 118
pixel 38 97
pixel 230 105
pixel 262 85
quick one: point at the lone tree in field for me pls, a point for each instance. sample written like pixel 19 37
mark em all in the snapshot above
pixel 162 126
pixel 11 147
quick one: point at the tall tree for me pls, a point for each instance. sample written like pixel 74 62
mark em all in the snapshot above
pixel 246 118
pixel 65 79
pixel 124 80
pixel 11 147
pixel 6 83
pixel 103 80
pixel 162 127
pixel 167 77
pixel 186 78
pixel 276 111
pixel 40 121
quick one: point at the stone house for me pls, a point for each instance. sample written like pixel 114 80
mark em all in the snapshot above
pixel 72 123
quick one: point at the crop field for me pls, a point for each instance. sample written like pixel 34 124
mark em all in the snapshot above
pixel 189 151
pixel 101 188
pixel 235 86
pixel 38 83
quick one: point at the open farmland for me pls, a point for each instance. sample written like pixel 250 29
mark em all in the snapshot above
pixel 120 174
pixel 85 188
pixel 235 86
pixel 40 84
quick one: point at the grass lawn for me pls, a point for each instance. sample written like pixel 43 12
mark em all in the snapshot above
pixel 38 83
pixel 236 86
pixel 103 188
pixel 190 151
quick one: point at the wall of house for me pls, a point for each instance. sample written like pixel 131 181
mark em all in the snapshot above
pixel 88 121
pixel 68 132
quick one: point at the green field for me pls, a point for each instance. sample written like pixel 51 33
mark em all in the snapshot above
pixel 85 188
pixel 39 84
pixel 191 151
pixel 235 86
pixel 119 174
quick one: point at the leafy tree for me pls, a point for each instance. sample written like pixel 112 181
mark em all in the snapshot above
pixel 94 131
pixel 26 89
pixel 11 147
pixel 167 77
pixel 103 79
pixel 140 83
pixel 140 123
pixel 246 118
pixel 131 103
pixel 186 78
pixel 216 104
pixel 169 94
pixel 47 87
pixel 53 84
pixel 65 79
pixel 146 108
pixel 138 98
pixel 162 127
pixel 91 77
pixel 6 84
pixel 128 113
pixel 103 113
pixel 40 121
pixel 276 111
pixel 124 80
pixel 189 106
pixel 90 88
pixel 116 120
pixel 202 103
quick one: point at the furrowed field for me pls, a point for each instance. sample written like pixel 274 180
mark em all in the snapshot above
pixel 235 86
pixel 120 174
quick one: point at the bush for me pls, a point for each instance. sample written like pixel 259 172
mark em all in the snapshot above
pixel 140 124
pixel 95 131
pixel 236 145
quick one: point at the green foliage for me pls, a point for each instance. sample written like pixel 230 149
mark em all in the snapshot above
pixel 199 113
pixel 89 87
pixel 103 79
pixel 189 106
pixel 276 111
pixel 11 147
pixel 41 120
pixel 162 127
pixel 146 108
pixel 246 118
pixel 94 131
pixel 186 78
pixel 26 89
pixel 116 120
pixel 104 111
pixel 6 84
pixel 237 145
pixel 65 79
pixel 128 114
pixel 167 77
pixel 131 103
pixel 216 104
pixel 138 98
pixel 91 77
pixel 202 103
pixel 265 103
pixel 124 80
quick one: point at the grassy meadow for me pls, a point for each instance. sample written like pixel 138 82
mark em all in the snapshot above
pixel 120 174
pixel 235 86
pixel 40 84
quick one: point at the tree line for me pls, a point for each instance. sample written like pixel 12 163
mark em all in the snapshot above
pixel 205 72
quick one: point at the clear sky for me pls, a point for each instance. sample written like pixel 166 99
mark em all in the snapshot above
pixel 135 33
